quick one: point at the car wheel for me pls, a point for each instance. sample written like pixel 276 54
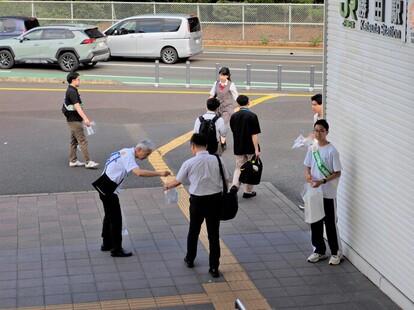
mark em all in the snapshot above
pixel 6 59
pixel 169 55
pixel 90 64
pixel 68 62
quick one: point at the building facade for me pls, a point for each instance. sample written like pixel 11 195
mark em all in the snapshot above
pixel 369 95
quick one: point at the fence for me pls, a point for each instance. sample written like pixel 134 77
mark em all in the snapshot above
pixel 258 23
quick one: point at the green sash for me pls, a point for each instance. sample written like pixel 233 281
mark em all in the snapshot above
pixel 319 163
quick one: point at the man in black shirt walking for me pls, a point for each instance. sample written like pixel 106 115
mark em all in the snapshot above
pixel 246 128
pixel 73 110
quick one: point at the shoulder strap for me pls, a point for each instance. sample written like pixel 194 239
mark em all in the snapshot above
pixel 201 118
pixel 222 174
pixel 215 118
pixel 320 164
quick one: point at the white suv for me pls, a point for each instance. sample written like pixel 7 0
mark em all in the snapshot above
pixel 66 45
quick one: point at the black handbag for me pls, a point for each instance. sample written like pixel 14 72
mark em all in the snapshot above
pixel 229 200
pixel 105 185
pixel 251 171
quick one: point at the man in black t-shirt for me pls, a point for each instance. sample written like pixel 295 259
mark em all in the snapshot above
pixel 245 127
pixel 73 110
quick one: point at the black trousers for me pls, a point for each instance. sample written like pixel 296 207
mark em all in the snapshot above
pixel 329 220
pixel 208 208
pixel 112 222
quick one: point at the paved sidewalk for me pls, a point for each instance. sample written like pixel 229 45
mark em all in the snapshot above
pixel 50 258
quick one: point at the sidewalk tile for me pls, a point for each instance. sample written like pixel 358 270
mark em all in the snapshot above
pixel 50 258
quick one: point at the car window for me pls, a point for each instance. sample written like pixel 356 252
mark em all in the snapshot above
pixel 69 34
pixel 34 35
pixel 128 26
pixel 7 26
pixel 150 25
pixel 54 34
pixel 194 24
pixel 171 25
pixel 94 33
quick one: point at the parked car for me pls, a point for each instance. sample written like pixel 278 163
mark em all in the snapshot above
pixel 13 26
pixel 168 37
pixel 66 45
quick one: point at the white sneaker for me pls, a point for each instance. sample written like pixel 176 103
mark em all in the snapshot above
pixel 315 257
pixel 76 164
pixel 92 165
pixel 335 259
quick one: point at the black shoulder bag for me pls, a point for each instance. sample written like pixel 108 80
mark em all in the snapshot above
pixel 229 200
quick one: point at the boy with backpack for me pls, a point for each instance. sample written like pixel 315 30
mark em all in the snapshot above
pixel 212 126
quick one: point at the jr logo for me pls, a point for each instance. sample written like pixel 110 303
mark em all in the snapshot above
pixel 349 7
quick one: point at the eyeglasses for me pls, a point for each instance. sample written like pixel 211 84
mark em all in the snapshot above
pixel 319 131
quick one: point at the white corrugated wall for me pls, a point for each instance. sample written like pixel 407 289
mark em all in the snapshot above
pixel 370 108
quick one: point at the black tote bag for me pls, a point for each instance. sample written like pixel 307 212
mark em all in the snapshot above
pixel 251 171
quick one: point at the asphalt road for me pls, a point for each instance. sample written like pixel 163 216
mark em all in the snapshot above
pixel 295 70
pixel 34 136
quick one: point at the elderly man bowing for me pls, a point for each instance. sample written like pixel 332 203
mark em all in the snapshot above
pixel 119 165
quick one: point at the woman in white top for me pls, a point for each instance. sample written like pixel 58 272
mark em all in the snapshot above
pixel 226 92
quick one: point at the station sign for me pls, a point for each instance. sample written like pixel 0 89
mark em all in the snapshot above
pixel 392 19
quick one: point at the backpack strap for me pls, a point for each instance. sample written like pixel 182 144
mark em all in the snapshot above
pixel 201 118
pixel 215 118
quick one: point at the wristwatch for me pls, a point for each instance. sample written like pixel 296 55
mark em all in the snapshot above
pixel 324 181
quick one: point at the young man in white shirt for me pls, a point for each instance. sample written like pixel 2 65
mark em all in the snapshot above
pixel 221 128
pixel 323 168
pixel 206 185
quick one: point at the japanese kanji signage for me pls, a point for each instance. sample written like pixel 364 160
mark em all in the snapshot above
pixel 387 18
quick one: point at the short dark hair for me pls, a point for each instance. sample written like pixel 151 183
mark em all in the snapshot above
pixel 317 98
pixel 323 123
pixel 242 100
pixel 72 76
pixel 213 104
pixel 198 140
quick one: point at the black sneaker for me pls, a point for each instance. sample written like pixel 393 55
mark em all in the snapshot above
pixel 120 253
pixel 214 272
pixel 249 195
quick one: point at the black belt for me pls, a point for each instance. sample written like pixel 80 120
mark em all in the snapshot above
pixel 205 196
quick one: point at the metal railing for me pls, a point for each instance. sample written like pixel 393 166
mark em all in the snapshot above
pixel 262 23
pixel 276 78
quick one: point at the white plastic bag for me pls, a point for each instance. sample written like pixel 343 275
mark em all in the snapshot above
pixel 171 196
pixel 313 198
pixel 302 141
pixel 91 129
pixel 124 224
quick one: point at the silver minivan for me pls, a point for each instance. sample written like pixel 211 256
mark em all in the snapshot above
pixel 168 37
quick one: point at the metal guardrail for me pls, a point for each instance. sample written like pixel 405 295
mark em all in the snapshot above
pixel 249 83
